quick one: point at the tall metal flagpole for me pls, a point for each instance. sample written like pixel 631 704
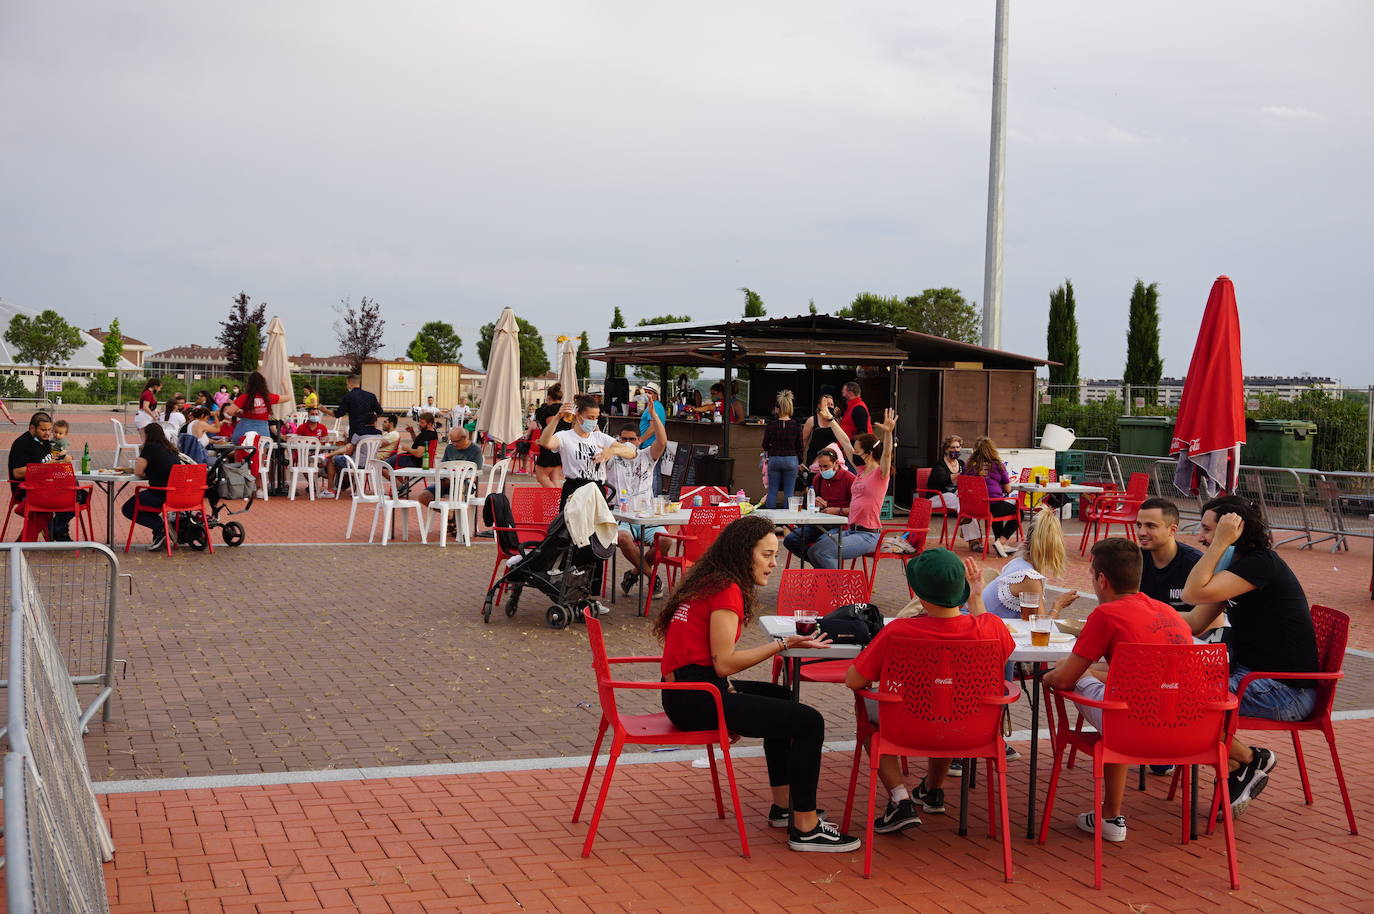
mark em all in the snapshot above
pixel 997 166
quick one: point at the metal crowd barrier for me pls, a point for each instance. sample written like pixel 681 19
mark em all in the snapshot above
pixel 1318 506
pixel 78 585
pixel 55 835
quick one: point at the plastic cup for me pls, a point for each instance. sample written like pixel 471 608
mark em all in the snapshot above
pixel 794 502
pixel 1040 628
pixel 807 623
pixel 1030 604
pixel 1065 481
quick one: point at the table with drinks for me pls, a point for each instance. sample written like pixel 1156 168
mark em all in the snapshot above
pixel 1038 642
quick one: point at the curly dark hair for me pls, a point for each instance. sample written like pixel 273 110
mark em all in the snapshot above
pixel 729 560
pixel 1255 535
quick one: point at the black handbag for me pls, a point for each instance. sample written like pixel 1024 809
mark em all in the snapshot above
pixel 853 623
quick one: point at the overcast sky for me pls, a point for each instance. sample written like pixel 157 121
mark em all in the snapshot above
pixel 450 158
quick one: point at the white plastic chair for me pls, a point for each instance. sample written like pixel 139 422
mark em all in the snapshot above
pixel 355 465
pixel 362 488
pixel 385 486
pixel 303 452
pixel 121 443
pixel 460 478
pixel 340 427
pixel 495 481
pixel 265 448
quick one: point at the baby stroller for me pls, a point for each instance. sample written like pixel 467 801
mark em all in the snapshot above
pixel 568 574
pixel 225 480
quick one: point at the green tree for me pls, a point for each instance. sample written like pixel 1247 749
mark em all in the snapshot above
pixel 617 323
pixel 251 356
pixel 441 342
pixel 112 350
pixel 418 351
pixel 359 331
pixel 942 312
pixel 43 340
pixel 811 306
pixel 1143 363
pixel 753 303
pixel 1061 338
pixel 101 387
pixel 534 361
pixel 234 329
pixel 584 364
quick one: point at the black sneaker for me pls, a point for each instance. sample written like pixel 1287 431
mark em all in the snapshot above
pixel 658 586
pixel 1249 781
pixel 932 799
pixel 1012 754
pixel 825 838
pixel 780 816
pixel 1161 770
pixel 896 817
pixel 628 581
pixel 956 768
pixel 159 541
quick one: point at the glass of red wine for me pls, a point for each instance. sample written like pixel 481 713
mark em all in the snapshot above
pixel 807 623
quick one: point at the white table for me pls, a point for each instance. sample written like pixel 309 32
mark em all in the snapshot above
pixel 1025 652
pixel 1054 487
pixel 108 481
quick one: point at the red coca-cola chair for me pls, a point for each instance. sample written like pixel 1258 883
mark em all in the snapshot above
pixel 649 729
pixel 821 590
pixel 917 532
pixel 1115 508
pixel 1165 704
pixel 533 508
pixel 185 491
pixel 975 504
pixel 50 488
pixel 943 510
pixel 697 536
pixel 937 699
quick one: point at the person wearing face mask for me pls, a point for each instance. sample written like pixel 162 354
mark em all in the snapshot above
pixel 833 484
pixel 943 475
pixel 871 457
pixel 313 426
pixel 584 448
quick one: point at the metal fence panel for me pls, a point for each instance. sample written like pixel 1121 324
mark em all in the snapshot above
pixel 55 835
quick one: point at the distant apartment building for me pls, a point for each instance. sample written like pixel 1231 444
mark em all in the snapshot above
pixel 212 361
pixel 1096 390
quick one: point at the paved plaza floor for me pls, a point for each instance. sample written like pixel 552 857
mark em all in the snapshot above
pixel 387 751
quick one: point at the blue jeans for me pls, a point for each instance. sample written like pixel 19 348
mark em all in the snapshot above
pixel 782 477
pixel 245 426
pixel 799 541
pixel 826 552
pixel 1273 699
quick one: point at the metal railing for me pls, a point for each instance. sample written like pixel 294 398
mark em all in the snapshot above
pixel 1318 506
pixel 78 583
pixel 55 835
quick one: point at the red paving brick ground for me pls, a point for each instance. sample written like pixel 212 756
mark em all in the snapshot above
pixel 503 843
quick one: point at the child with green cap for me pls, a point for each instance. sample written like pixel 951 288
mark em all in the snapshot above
pixel 944 585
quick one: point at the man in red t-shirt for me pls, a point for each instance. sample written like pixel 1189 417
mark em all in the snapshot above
pixel 312 427
pixel 943 584
pixel 833 484
pixel 1123 615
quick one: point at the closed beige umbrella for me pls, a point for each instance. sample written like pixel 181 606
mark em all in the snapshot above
pixel 276 369
pixel 501 415
pixel 567 367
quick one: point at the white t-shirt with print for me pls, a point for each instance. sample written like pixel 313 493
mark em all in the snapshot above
pixel 578 454
pixel 635 475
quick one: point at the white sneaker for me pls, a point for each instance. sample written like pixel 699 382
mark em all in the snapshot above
pixel 1113 829
pixel 1003 551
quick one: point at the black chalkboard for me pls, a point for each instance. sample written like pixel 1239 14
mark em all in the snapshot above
pixel 682 465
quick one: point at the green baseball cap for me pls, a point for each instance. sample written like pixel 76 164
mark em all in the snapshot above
pixel 937 576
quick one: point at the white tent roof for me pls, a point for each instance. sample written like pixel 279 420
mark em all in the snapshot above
pixel 87 357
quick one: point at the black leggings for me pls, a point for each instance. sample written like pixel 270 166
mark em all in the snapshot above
pixel 792 732
pixel 1003 528
pixel 147 499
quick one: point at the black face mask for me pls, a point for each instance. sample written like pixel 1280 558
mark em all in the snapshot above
pixel 860 459
pixel 953 454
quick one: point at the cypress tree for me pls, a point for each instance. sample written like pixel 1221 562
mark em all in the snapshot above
pixel 1061 337
pixel 1143 363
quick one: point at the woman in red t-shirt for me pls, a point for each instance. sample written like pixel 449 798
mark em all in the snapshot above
pixel 700 625
pixel 253 407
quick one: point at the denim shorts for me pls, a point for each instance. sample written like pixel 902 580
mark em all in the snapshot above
pixel 649 534
pixel 1273 699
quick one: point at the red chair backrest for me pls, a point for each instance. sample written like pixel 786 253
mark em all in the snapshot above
pixel 704 526
pixel 942 685
pixel 922 479
pixel 918 520
pixel 1138 489
pixel 1332 628
pixel 973 496
pixel 1167 688
pixel 821 589
pixel 50 487
pixel 185 487
pixel 601 667
pixel 534 507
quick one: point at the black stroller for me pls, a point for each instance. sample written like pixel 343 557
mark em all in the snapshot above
pixel 569 575
pixel 226 480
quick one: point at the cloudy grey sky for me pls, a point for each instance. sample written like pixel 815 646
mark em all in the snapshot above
pixel 449 158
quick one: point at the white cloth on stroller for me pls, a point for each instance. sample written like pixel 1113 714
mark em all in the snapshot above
pixel 587 515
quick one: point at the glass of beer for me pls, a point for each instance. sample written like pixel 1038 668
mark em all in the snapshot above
pixel 1040 628
pixel 1030 604
pixel 807 622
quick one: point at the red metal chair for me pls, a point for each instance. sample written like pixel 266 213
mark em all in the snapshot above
pixel 975 504
pixel 699 533
pixel 652 730
pixel 1332 628
pixel 1117 508
pixel 917 531
pixel 185 493
pixel 821 590
pixel 50 488
pixel 534 508
pixel 944 511
pixel 938 699
pixel 1165 704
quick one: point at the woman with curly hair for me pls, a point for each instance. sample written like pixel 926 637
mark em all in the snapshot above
pixel 700 625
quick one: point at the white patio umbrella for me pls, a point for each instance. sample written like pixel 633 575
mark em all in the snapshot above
pixel 276 369
pixel 567 367
pixel 501 415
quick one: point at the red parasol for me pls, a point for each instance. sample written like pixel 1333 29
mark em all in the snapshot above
pixel 1210 427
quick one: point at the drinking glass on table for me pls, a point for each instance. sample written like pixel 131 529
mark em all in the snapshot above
pixel 807 622
pixel 1030 604
pixel 794 502
pixel 1040 628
